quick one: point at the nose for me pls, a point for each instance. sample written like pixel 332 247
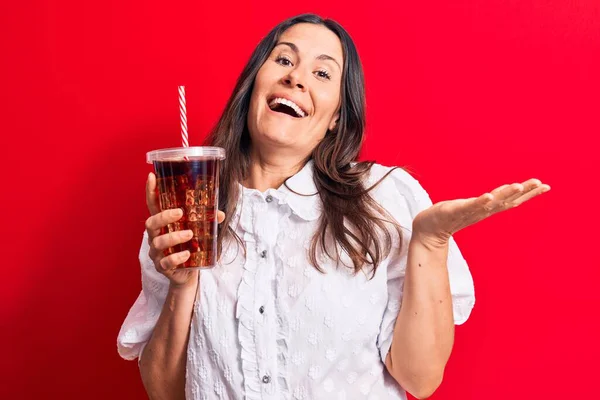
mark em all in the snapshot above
pixel 293 80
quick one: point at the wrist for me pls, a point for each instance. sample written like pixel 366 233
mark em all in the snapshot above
pixel 183 288
pixel 424 253
pixel 434 243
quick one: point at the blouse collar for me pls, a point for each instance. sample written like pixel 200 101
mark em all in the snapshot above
pixel 298 191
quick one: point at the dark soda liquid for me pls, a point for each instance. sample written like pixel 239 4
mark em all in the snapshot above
pixel 193 186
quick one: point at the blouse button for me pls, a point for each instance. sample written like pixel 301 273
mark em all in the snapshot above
pixel 261 309
pixel 266 379
pixel 263 254
pixel 269 199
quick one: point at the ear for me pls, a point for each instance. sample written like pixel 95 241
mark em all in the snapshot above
pixel 334 120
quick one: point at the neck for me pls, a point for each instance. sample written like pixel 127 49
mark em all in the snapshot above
pixel 269 170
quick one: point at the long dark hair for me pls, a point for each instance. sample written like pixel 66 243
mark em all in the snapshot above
pixel 350 216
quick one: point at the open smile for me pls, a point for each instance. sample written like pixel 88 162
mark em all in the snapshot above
pixel 281 104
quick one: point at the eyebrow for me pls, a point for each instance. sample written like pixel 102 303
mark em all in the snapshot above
pixel 323 57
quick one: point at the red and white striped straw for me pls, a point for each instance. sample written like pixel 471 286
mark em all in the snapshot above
pixel 183 117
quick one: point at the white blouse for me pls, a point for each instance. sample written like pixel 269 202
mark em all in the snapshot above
pixel 269 326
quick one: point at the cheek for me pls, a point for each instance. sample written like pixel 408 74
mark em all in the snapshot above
pixel 327 101
pixel 265 77
pixel 252 111
pixel 260 88
pixel 255 100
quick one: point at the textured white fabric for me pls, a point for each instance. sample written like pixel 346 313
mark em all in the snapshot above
pixel 319 336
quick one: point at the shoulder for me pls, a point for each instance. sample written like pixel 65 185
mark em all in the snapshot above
pixel 397 190
pixel 397 175
pixel 395 180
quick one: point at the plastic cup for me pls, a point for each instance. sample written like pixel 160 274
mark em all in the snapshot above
pixel 188 178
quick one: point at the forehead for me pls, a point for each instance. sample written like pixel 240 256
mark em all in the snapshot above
pixel 314 40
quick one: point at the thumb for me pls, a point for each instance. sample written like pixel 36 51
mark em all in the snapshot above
pixel 151 196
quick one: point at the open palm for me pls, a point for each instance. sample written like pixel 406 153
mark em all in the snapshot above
pixel 437 223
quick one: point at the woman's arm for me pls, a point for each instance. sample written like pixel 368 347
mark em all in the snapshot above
pixel 163 361
pixel 424 330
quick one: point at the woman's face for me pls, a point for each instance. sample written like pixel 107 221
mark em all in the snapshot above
pixel 296 94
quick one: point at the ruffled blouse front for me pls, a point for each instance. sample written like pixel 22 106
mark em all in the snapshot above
pixel 268 325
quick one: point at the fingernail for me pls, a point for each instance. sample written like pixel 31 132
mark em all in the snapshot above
pixel 178 212
pixel 188 233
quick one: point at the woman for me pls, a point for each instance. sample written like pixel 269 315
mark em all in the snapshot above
pixel 337 279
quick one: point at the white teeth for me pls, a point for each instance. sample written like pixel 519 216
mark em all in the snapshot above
pixel 289 103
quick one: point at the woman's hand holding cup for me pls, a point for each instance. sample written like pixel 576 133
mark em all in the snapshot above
pixel 167 265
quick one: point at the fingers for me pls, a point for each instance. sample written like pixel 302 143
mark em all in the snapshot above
pixel 220 216
pixel 484 199
pixel 162 219
pixel 171 261
pixel 151 198
pixel 508 196
pixel 530 185
pixel 499 189
pixel 509 191
pixel 534 191
pixel 165 241
pixel 158 221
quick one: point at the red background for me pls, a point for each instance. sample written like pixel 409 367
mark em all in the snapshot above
pixel 469 95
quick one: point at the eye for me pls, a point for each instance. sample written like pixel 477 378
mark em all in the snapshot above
pixel 286 62
pixel 323 74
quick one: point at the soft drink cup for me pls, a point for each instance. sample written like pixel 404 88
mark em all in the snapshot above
pixel 188 178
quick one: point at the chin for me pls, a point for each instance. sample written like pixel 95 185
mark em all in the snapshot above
pixel 278 138
pixel 275 134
